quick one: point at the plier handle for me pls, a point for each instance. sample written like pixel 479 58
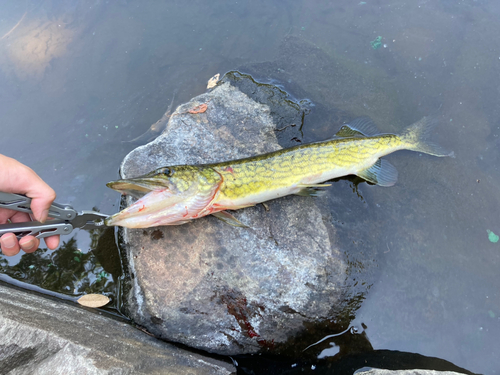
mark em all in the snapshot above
pixel 64 218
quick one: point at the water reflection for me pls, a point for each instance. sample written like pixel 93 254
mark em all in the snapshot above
pixel 69 270
pixel 344 353
pixel 27 50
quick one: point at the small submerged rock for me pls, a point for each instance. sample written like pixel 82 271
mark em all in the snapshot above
pixel 221 288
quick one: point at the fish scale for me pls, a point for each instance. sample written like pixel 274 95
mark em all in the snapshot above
pixel 289 167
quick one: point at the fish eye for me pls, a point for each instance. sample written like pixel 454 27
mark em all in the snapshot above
pixel 166 171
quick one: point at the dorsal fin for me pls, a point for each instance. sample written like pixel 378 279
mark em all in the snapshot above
pixel 359 127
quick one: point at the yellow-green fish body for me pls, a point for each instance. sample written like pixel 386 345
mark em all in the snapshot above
pixel 178 194
pixel 258 179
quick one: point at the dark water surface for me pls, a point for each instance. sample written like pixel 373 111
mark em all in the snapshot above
pixel 79 79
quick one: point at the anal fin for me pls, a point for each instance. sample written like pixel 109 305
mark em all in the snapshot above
pixel 381 173
pixel 229 219
pixel 311 190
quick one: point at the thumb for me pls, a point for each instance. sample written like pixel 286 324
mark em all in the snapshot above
pixel 42 197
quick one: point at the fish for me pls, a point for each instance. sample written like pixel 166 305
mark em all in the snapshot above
pixel 156 129
pixel 178 194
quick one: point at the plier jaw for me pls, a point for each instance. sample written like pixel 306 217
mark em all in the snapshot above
pixel 63 218
pixel 89 220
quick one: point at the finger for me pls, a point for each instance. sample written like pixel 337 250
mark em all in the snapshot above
pixel 42 197
pixel 29 244
pixel 18 178
pixel 52 242
pixel 19 217
pixel 9 244
pixel 13 216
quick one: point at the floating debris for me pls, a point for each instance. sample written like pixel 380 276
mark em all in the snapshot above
pixel 212 82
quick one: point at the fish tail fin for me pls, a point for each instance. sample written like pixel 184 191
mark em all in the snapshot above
pixel 417 138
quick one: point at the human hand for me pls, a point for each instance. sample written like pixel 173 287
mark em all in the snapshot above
pixel 20 179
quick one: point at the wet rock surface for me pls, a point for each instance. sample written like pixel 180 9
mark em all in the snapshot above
pixel 220 288
pixel 406 372
pixel 45 336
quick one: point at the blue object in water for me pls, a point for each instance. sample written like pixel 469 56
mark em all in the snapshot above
pixel 376 43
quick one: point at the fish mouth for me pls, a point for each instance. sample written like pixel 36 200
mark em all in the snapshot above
pixel 137 187
pixel 157 204
pixel 148 211
pixel 166 196
pixel 153 196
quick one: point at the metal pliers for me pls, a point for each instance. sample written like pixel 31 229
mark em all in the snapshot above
pixel 63 218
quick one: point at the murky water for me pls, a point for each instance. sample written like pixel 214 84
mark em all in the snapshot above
pixel 80 79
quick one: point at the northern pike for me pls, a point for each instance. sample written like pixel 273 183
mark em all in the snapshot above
pixel 177 194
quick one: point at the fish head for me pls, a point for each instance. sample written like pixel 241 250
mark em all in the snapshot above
pixel 166 196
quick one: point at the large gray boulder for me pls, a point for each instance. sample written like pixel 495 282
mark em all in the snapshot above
pixel 220 288
pixel 43 336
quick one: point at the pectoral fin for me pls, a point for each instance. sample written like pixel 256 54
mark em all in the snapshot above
pixel 311 190
pixel 381 173
pixel 229 219
pixel 180 222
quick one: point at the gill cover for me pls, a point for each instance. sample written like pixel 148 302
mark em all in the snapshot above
pixel 167 196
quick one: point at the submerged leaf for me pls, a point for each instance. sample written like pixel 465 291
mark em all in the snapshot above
pixel 93 300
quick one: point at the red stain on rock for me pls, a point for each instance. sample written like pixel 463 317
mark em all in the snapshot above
pixel 238 307
pixel 266 344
